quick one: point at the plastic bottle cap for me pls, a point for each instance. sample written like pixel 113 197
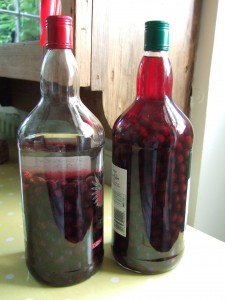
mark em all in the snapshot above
pixel 156 36
pixel 59 32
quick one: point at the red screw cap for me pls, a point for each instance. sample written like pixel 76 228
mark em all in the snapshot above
pixel 59 32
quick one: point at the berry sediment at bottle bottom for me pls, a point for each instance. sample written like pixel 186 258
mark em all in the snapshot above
pixel 65 245
pixel 156 156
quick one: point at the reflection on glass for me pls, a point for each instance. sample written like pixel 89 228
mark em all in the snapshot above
pixel 19 21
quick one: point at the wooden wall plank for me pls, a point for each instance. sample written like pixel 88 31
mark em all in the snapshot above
pixel 117 48
pixel 100 44
pixel 83 35
pixel 21 60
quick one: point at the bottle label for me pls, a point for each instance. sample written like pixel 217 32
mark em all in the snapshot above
pixel 54 164
pixel 119 195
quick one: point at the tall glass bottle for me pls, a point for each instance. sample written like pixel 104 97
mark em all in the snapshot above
pixel 61 167
pixel 152 143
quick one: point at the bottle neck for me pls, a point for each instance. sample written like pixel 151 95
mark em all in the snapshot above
pixel 154 79
pixel 59 75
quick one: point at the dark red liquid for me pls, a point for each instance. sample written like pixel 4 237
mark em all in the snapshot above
pixel 152 140
pixel 64 222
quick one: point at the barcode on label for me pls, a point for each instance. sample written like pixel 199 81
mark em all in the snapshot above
pixel 119 195
pixel 119 222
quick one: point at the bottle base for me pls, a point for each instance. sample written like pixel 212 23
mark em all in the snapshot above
pixel 148 267
pixel 66 278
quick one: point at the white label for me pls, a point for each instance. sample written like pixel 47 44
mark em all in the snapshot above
pixel 54 164
pixel 119 195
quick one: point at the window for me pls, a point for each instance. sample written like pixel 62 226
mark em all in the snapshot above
pixel 19 21
pixel 23 60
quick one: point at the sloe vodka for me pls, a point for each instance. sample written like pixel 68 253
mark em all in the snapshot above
pixel 152 142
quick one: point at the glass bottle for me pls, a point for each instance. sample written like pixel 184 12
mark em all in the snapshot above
pixel 152 142
pixel 61 168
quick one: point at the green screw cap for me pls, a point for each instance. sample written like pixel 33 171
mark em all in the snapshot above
pixel 156 36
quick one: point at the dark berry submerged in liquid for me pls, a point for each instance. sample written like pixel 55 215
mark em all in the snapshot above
pixel 63 208
pixel 153 142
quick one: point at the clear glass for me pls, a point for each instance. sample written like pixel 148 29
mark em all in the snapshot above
pixel 7 32
pixel 29 29
pixel 152 142
pixel 61 166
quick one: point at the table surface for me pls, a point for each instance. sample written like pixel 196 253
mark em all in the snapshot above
pixel 199 275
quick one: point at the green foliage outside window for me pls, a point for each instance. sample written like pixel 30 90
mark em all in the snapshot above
pixel 29 28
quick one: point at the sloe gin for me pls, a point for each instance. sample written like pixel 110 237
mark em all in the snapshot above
pixel 152 142
pixel 61 165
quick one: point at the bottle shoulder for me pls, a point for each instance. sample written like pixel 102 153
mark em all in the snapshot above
pixel 157 121
pixel 62 118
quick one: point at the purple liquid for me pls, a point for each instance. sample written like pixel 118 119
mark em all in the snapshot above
pixel 156 152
